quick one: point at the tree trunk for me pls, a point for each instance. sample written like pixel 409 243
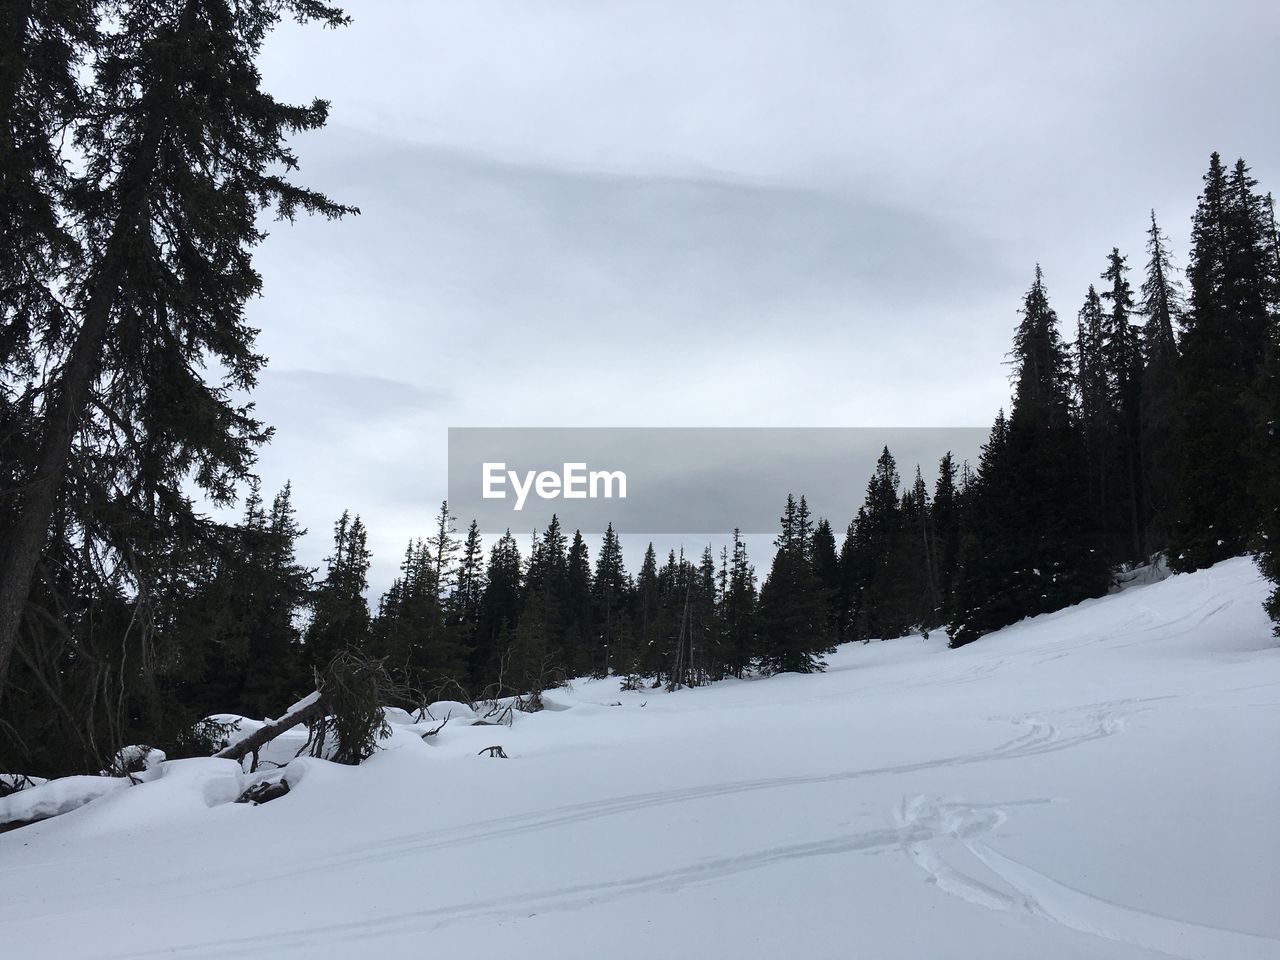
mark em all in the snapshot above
pixel 310 709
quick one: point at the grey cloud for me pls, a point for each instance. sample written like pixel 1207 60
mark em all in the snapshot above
pixel 741 212
pixel 347 393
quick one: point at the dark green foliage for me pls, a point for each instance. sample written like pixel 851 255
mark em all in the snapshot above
pixel 1158 435
pixel 611 589
pixel 946 515
pixel 793 617
pixel 1265 444
pixel 124 354
pixel 499 611
pixel 826 568
pixel 1028 547
pixel 467 602
pixel 579 637
pixel 240 626
pixel 354 690
pixel 738 612
pixel 913 560
pixel 539 640
pixel 1122 360
pixel 645 618
pixel 869 610
pixel 42 48
pixel 339 611
pixel 1096 421
pixel 1227 332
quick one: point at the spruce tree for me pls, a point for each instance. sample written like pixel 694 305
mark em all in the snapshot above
pixel 872 607
pixel 580 627
pixel 611 588
pixel 413 630
pixel 339 612
pixel 915 556
pixel 1122 359
pixel 443 546
pixel 43 49
pixel 543 629
pixel 826 568
pixel 178 151
pixel 706 656
pixel 468 595
pixel 1028 546
pixel 739 614
pixel 946 516
pixel 1161 306
pixel 500 609
pixel 1265 449
pixel 645 617
pixel 241 642
pixel 1096 421
pixel 794 624
pixel 1225 339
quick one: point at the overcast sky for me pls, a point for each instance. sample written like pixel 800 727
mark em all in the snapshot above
pixel 800 213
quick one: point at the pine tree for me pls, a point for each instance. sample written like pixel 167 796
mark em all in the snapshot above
pixel 1096 421
pixel 340 614
pixel 946 515
pixel 468 595
pixel 500 610
pixel 916 557
pixel 739 615
pixel 241 639
pixel 542 630
pixel 1028 547
pixel 705 656
pixel 1161 305
pixel 1226 336
pixel 442 546
pixel 178 150
pixel 826 568
pixel 1265 399
pixel 275 639
pixel 793 611
pixel 645 617
pixel 1122 360
pixel 580 627
pixel 611 588
pixel 870 611
pixel 424 646
pixel 43 49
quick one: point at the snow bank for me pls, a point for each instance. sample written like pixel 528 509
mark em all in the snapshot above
pixel 56 797
pixel 1089 783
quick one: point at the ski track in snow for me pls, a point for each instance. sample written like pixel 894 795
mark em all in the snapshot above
pixel 956 823
pixel 1042 736
pixel 1072 728
pixel 950 840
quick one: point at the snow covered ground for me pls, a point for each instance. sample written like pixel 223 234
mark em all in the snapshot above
pixel 1100 782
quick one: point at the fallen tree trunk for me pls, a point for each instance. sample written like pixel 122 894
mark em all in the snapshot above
pixel 307 710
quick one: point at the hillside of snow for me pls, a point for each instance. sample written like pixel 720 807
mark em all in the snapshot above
pixel 1100 782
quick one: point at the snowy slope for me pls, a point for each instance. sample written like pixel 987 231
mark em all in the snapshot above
pixel 1100 782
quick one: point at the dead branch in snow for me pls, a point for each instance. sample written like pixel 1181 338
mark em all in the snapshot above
pixel 432 733
pixel 308 711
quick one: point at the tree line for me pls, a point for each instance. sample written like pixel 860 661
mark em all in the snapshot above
pixel 137 155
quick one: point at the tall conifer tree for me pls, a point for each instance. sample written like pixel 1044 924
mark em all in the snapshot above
pixel 1028 547
pixel 1226 337
pixel 1161 306
pixel 178 150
